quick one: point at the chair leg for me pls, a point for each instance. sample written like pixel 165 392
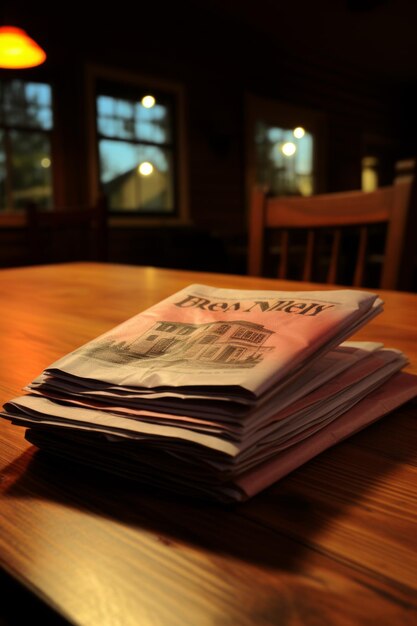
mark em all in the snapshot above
pixel 360 259
pixel 308 259
pixel 283 261
pixel 334 256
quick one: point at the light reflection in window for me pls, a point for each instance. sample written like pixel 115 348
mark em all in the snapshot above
pixel 148 102
pixel 145 168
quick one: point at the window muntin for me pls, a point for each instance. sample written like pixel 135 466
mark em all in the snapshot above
pixel 26 120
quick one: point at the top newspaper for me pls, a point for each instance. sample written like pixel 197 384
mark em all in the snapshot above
pixel 234 341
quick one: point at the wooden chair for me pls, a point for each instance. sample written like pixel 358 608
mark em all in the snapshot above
pixel 63 235
pixel 331 214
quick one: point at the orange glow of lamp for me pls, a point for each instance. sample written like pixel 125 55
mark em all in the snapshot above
pixel 18 50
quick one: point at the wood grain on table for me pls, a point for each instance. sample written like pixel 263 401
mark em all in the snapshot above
pixel 333 543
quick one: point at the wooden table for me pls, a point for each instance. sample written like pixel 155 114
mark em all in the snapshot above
pixel 333 543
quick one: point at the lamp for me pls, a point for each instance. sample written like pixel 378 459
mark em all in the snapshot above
pixel 18 50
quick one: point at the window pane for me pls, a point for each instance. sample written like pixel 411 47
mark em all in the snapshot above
pixel 129 119
pixel 124 109
pixel 27 104
pixel 126 187
pixel 31 168
pixel 116 118
pixel 39 94
pixel 105 105
pixel 43 118
pixel 153 124
pixel 284 161
pixel 107 126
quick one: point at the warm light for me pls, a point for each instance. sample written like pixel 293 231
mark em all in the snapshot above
pixel 18 50
pixel 45 162
pixel 369 173
pixel 145 168
pixel 299 132
pixel 289 148
pixel 148 102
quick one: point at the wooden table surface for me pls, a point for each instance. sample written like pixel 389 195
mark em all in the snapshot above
pixel 334 543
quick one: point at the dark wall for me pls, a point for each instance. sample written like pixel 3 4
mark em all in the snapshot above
pixel 218 59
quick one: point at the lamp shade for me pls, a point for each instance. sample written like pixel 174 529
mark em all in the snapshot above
pixel 18 50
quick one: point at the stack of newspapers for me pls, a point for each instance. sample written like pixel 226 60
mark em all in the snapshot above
pixel 217 392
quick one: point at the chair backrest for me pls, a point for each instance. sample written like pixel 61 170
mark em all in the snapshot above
pixel 61 235
pixel 332 213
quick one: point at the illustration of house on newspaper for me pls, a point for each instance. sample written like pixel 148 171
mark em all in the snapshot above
pixel 239 343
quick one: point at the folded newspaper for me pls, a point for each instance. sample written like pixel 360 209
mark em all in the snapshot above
pixel 217 392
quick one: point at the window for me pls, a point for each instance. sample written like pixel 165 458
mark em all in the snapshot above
pixel 220 330
pixel 284 147
pixel 210 352
pixel 137 148
pixel 284 159
pixel 167 327
pixel 186 331
pixel 248 335
pixel 25 144
pixel 208 339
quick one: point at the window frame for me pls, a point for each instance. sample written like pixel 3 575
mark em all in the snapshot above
pixel 94 75
pixel 283 115
pixel 9 209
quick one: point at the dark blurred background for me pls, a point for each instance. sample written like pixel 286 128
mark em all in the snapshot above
pixel 228 78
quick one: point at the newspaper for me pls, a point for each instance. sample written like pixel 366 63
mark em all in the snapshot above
pixel 200 404
pixel 229 340
pixel 217 392
pixel 311 410
pixel 173 469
